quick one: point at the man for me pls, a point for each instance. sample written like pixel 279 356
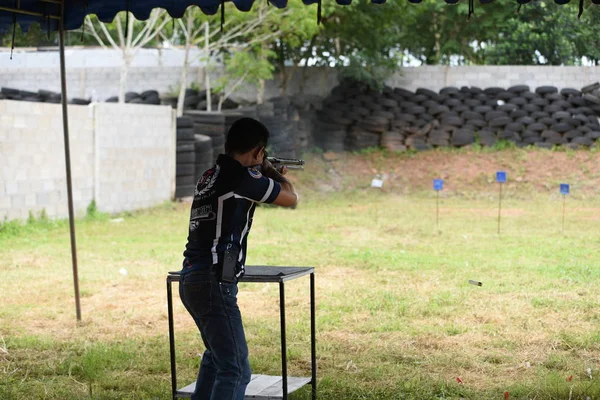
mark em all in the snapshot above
pixel 221 217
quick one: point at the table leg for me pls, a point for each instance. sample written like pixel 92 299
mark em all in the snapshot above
pixel 313 341
pixel 171 339
pixel 283 340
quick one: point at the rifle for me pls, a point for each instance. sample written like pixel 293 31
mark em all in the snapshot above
pixel 290 163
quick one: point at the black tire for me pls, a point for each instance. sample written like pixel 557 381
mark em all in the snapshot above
pixel 183 147
pixel 540 102
pixel 577 101
pixel 426 92
pixel 539 114
pixel 536 127
pixel 590 88
pixel 183 169
pixel 506 96
pixel 184 122
pixel 548 133
pixel 490 115
pixel 515 127
pixel 114 99
pixel 472 103
pixel 483 109
pixel 570 92
pixel 453 121
pixel 518 101
pixel 186 157
pixel 182 191
pixel 463 137
pixel 493 91
pixel 592 99
pixel 543 90
pixel 507 108
pixel 500 121
pixel 439 110
pixel 202 143
pixel 548 121
pixel 531 108
pixel 561 127
pixel 185 135
pixel 519 89
pixel 389 103
pixel 450 91
pixel 553 97
pixel 518 113
pixel 475 123
pixel 526 121
pixel 471 115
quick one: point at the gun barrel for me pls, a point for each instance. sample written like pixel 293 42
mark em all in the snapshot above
pixel 286 161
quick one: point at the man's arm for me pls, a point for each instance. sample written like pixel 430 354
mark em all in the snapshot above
pixel 287 196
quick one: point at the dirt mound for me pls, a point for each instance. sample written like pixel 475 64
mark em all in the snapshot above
pixel 465 172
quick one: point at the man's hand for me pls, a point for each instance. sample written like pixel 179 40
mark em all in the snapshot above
pixel 273 172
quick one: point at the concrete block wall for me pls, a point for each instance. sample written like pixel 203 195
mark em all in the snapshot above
pixel 135 156
pixel 32 161
pixel 121 156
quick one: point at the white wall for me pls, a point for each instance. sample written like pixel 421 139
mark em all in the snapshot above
pixel 123 157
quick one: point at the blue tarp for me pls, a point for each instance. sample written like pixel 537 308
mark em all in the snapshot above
pixel 76 10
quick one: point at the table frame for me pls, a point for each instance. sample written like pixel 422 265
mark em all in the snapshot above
pixel 281 278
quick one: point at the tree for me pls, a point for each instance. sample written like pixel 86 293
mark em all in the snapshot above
pixel 127 36
pixel 541 33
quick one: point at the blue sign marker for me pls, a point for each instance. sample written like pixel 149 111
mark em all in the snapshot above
pixel 501 177
pixel 564 188
pixel 438 184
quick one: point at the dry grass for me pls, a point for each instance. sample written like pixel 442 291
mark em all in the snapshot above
pixel 396 315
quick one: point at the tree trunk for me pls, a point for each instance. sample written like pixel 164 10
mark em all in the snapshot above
pixel 123 79
pixel 184 70
pixel 260 96
pixel 206 69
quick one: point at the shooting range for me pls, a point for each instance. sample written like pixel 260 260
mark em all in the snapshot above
pixel 110 113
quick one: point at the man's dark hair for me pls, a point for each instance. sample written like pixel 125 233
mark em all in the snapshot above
pixel 244 135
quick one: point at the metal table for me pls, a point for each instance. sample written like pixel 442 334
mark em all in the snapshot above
pixel 261 387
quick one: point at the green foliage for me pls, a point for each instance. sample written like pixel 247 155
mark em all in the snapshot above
pixel 542 33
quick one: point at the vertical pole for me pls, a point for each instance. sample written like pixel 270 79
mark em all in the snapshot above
pixel 313 340
pixel 437 210
pixel 499 208
pixel 563 214
pixel 63 85
pixel 171 338
pixel 283 340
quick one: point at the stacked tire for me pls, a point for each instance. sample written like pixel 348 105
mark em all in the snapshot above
pixel 304 114
pixel 42 96
pixel 282 141
pixel 398 118
pixel 210 124
pixel 203 149
pixel 149 97
pixel 186 159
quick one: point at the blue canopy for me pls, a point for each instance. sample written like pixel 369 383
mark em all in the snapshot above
pixel 47 12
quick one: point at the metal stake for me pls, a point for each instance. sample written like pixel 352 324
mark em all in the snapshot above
pixel 499 208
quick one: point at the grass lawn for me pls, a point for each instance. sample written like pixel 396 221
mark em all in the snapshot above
pixel 396 316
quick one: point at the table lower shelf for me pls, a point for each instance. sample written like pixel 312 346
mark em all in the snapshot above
pixel 261 387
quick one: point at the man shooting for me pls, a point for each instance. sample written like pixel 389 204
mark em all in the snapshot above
pixel 220 220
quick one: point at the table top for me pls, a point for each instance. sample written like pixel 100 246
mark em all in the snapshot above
pixel 263 273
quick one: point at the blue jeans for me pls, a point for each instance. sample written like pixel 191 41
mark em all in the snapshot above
pixel 224 370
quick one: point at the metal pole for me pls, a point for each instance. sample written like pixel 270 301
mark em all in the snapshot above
pixel 171 338
pixel 499 208
pixel 283 341
pixel 313 340
pixel 563 215
pixel 63 84
pixel 437 212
